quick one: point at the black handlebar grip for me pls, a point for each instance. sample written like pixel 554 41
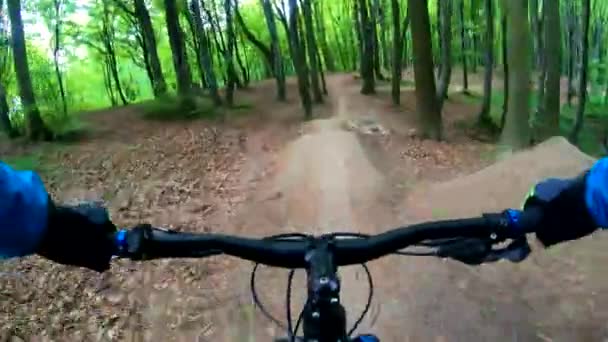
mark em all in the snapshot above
pixel 530 219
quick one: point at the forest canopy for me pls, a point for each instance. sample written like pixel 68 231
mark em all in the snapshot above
pixel 62 57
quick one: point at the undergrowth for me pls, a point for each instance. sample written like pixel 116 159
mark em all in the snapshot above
pixel 178 108
pixel 595 124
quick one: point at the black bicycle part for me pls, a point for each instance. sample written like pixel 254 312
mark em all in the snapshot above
pixel 290 253
pixel 324 317
pixel 321 256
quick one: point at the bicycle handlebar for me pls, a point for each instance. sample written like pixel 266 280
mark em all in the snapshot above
pixel 145 242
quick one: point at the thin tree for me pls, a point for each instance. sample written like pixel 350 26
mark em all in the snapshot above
pixel 205 54
pixel 571 24
pixel 536 33
pixel 463 47
pixel 311 45
pixel 505 69
pixel 35 127
pixel 5 70
pixel 516 132
pixel 229 54
pixel 445 21
pixel 367 49
pixel 320 23
pixel 427 107
pixel 275 49
pixel 405 24
pixel 540 62
pixel 397 50
pixel 299 59
pixel 582 87
pixel 373 20
pixel 178 49
pixel 159 85
pixel 484 118
pixel 57 5
pixel 548 119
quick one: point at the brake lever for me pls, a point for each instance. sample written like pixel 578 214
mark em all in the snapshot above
pixel 478 251
pixel 516 251
pixel 468 251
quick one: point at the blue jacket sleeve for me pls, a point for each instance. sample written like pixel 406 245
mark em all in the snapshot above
pixel 596 192
pixel 23 211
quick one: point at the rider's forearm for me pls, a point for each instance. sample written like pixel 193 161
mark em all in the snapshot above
pixel 23 211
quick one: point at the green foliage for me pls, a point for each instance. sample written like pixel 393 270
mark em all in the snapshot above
pixel 31 161
pixel 172 109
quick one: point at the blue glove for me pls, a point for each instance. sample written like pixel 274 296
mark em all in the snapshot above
pixel 81 235
pixel 565 215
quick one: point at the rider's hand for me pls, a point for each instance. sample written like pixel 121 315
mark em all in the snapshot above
pixel 565 215
pixel 79 235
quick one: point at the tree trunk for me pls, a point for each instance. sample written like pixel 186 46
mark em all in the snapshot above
pixel 264 50
pixel 397 49
pixel 143 17
pixel 474 38
pixel 484 118
pixel 516 133
pixel 327 55
pixel 373 20
pixel 367 47
pixel 358 27
pixel 570 17
pixel 505 70
pixel 446 52
pixel 275 47
pixel 56 47
pixel 178 49
pixel 548 119
pixel 535 27
pixel 108 41
pixel 241 64
pixel 540 62
pixel 311 46
pixel 107 82
pixel 35 127
pixel 463 46
pixel 406 24
pixel 322 74
pixel 229 54
pixel 205 54
pixel 439 38
pixel 582 87
pixel 299 60
pixel 383 43
pixel 429 114
pixel 5 120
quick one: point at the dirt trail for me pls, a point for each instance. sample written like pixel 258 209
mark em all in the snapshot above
pixel 355 168
pixel 331 179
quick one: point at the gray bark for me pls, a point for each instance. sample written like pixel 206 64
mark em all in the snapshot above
pixel 484 114
pixel 275 48
pixel 446 51
pixel 582 87
pixel 35 127
pixel 397 49
pixel 178 49
pixel 311 46
pixel 205 54
pixel 159 85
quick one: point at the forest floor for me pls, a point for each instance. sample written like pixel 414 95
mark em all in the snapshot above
pixel 358 166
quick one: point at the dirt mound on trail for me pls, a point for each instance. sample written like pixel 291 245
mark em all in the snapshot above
pixel 501 185
pixel 332 167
